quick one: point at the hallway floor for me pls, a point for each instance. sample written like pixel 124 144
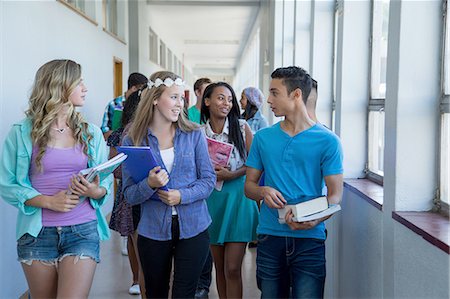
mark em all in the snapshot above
pixel 113 275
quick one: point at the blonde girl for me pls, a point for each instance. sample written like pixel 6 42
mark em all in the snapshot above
pixel 59 221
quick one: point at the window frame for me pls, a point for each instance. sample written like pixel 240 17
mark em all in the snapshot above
pixel 442 205
pixel 153 46
pixel 78 11
pixel 376 102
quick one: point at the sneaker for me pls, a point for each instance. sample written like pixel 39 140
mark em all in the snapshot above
pixel 124 245
pixel 134 290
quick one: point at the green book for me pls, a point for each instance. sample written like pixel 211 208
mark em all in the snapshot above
pixel 116 121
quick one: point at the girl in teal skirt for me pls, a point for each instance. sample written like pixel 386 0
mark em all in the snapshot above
pixel 234 217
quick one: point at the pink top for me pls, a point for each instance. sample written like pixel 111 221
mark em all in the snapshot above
pixel 58 165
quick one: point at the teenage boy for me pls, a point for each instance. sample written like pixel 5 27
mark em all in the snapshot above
pixel 297 155
pixel 194 115
pixel 199 87
pixel 135 82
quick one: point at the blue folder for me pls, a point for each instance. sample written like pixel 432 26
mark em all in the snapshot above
pixel 139 162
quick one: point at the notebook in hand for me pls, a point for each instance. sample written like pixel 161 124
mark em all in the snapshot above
pixel 102 170
pixel 139 162
pixel 220 154
pixel 310 209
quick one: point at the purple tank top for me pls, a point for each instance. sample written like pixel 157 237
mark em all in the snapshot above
pixel 58 165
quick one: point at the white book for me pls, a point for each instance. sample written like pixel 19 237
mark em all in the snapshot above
pixel 309 210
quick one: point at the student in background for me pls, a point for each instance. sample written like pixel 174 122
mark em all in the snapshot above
pixel 199 88
pixel 234 217
pixel 59 223
pixel 124 217
pixel 311 103
pixel 173 223
pixel 251 100
pixel 194 115
pixel 297 156
pixel 135 82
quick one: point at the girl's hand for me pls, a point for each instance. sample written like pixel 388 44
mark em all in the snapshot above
pixel 222 173
pixel 170 198
pixel 157 177
pixel 82 187
pixel 62 202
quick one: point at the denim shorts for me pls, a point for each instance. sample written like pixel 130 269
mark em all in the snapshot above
pixel 54 243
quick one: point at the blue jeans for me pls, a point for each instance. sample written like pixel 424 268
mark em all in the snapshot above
pixel 54 243
pixel 282 262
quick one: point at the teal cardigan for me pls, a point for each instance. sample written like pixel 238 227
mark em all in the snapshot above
pixel 15 184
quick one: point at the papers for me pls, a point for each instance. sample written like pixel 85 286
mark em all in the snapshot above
pixel 311 209
pixel 104 169
pixel 220 154
pixel 139 162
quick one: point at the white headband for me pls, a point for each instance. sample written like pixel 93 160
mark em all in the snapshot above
pixel 167 82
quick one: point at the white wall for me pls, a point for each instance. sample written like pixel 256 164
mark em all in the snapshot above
pixel 32 33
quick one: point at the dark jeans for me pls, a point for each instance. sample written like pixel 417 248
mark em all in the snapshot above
pixel 284 260
pixel 156 259
pixel 205 279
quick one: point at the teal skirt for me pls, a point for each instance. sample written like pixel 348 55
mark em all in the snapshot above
pixel 234 216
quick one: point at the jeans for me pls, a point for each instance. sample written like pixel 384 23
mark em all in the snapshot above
pixel 54 243
pixel 282 262
pixel 156 260
pixel 205 279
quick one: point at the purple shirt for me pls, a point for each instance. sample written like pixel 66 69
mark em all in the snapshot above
pixel 58 165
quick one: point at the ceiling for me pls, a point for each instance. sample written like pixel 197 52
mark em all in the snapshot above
pixel 211 35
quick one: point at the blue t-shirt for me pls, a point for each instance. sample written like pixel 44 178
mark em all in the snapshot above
pixel 295 166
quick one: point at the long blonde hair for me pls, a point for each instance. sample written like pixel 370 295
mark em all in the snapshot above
pixel 53 84
pixel 144 113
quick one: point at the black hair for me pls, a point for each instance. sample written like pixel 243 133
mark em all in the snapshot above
pixel 294 77
pixel 235 135
pixel 314 84
pixel 129 107
pixel 250 110
pixel 136 79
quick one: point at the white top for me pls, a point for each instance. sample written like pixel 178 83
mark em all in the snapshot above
pixel 168 156
pixel 236 161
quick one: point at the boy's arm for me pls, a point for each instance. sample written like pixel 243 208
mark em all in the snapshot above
pixel 334 185
pixel 272 197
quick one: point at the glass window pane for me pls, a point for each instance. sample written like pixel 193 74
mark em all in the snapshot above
pixel 445 158
pixel 447 53
pixel 380 24
pixel 376 142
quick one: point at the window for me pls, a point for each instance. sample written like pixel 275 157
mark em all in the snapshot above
pixel 83 7
pixel 289 8
pixel 170 60
pixel 153 46
pixel 114 18
pixel 445 118
pixel 380 22
pixel 162 54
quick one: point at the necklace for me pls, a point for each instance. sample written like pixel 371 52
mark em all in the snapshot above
pixel 60 131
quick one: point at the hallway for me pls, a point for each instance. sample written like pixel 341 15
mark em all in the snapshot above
pixel 113 275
